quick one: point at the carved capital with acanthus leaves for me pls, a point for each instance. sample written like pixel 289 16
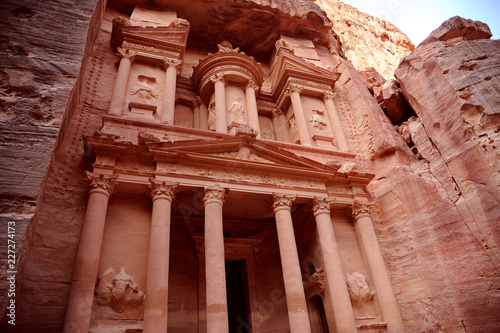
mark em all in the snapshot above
pixel 163 189
pixel 293 88
pixel 251 84
pixel 172 63
pixel 214 195
pixel 126 53
pixel 321 205
pixel 361 209
pixel 100 183
pixel 283 201
pixel 218 78
pixel 329 95
pixel 277 112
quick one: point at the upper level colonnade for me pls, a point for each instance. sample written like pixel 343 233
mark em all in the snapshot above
pixel 225 92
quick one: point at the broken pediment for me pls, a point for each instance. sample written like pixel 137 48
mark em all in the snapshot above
pixel 288 66
pixel 239 151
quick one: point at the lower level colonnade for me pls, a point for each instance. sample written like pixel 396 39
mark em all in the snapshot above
pixel 79 308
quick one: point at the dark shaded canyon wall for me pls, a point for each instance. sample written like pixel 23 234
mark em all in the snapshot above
pixel 43 45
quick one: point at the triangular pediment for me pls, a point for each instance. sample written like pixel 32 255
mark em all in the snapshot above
pixel 237 151
pixel 288 65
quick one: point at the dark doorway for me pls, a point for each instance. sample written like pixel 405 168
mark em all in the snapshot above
pixel 237 297
pixel 322 314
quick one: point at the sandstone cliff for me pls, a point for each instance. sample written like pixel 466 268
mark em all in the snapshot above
pixel 367 41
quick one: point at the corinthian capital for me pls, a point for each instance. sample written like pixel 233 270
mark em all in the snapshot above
pixel 101 183
pixel 167 62
pixel 126 53
pixel 283 201
pixel 329 95
pixel 251 84
pixel 217 77
pixel 361 209
pixel 321 205
pixel 293 88
pixel 277 112
pixel 214 195
pixel 162 189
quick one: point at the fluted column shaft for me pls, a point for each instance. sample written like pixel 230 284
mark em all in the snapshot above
pixel 381 280
pixel 300 118
pixel 335 277
pixel 81 295
pixel 338 132
pixel 121 82
pixel 253 114
pixel 220 104
pixel 217 319
pixel 156 302
pixel 171 67
pixel 292 277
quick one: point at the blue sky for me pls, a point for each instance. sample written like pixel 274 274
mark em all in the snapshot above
pixel 418 18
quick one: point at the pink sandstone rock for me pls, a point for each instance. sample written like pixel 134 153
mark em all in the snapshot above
pixel 459 27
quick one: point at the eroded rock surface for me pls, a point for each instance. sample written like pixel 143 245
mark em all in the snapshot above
pixel 459 27
pixel 367 41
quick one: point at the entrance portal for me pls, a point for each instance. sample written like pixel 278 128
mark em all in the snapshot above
pixel 236 288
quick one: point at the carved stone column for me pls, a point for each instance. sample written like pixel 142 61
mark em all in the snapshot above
pixel 338 132
pixel 292 277
pixel 121 82
pixel 156 302
pixel 337 287
pixel 81 295
pixel 220 103
pixel 381 280
pixel 217 320
pixel 171 68
pixel 253 114
pixel 203 114
pixel 196 113
pixel 277 125
pixel 294 92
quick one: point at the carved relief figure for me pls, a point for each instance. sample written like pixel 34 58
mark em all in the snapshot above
pixel 226 46
pixel 317 121
pixel 294 130
pixel 118 292
pixel 211 117
pixel 237 111
pixel 359 291
pixel 143 89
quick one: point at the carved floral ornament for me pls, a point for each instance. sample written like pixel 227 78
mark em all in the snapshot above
pixel 283 201
pixel 162 189
pixel 126 53
pixel 214 195
pixel 101 183
pixel 361 209
pixel 217 77
pixel 329 95
pixel 251 84
pixel 321 205
pixel 292 88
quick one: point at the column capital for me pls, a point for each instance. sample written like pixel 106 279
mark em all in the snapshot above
pixel 218 77
pixel 361 209
pixel 283 201
pixel 277 112
pixel 167 62
pixel 126 53
pixel 161 189
pixel 214 195
pixel 251 84
pixel 291 88
pixel 101 183
pixel 197 102
pixel 321 205
pixel 329 95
